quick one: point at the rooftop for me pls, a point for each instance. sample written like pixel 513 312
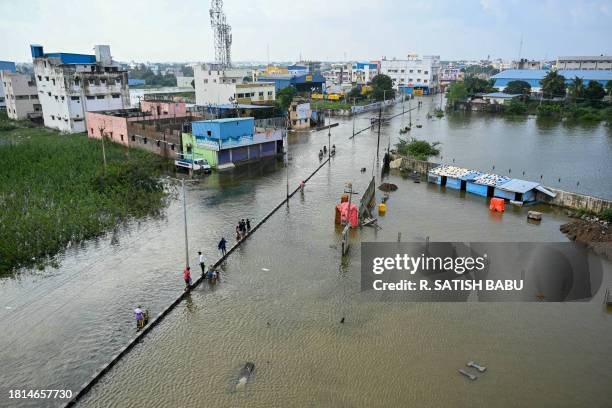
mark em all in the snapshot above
pixel 223 120
pixel 588 74
pixel 586 58
pixel 501 95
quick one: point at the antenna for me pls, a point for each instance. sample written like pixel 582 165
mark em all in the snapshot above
pixel 222 34
pixel 520 48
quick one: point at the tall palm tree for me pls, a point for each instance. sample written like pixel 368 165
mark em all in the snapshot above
pixel 577 89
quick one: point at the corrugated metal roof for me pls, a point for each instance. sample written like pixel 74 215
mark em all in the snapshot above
pixel 500 95
pixel 518 186
pixel 525 74
pixel 585 58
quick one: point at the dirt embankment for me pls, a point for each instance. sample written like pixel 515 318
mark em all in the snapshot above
pixel 591 231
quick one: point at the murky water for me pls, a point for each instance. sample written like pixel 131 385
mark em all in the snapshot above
pixel 59 326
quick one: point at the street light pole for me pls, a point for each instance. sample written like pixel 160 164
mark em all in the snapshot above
pixel 185 220
pixel 329 136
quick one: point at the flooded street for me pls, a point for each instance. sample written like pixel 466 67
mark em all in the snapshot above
pixel 284 291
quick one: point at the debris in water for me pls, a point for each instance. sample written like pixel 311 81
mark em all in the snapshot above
pixel 468 375
pixel 265 269
pixel 476 366
pixel 342 320
pixel 245 373
pixel 387 187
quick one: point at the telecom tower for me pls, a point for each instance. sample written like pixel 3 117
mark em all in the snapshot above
pixel 222 32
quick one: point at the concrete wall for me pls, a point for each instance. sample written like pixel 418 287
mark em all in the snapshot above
pixel 420 166
pixel 575 201
pixel 21 95
pixel 164 109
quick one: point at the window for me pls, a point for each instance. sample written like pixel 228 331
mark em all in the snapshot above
pixel 116 96
pixel 121 137
pixel 208 132
pixel 56 98
pixel 52 117
pixel 62 98
pixel 206 80
pixel 241 95
pixel 425 81
pixel 411 71
pixel 269 93
pixel 90 97
pixel 144 140
pixel 133 138
pixel 426 72
pixel 53 80
pixel 47 78
pixel 40 78
pixel 100 97
pixel 402 71
pixel 233 80
pixel 418 71
pixel 172 146
pixel 74 98
pixel 49 93
pixel 261 94
pixel 78 119
pixel 91 130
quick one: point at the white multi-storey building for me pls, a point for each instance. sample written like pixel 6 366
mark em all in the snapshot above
pixel 603 62
pixel 21 96
pixel 217 86
pixel 414 73
pixel 71 84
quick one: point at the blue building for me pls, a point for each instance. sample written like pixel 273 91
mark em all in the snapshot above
pixel 135 82
pixel 301 83
pixel 534 76
pixel 230 141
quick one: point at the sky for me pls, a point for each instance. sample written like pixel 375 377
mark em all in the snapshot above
pixel 327 30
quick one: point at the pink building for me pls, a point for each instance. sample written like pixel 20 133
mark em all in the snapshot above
pixel 113 127
pixel 162 109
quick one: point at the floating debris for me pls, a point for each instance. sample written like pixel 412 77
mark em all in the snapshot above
pixel 476 366
pixel 265 269
pixel 468 375
pixel 387 187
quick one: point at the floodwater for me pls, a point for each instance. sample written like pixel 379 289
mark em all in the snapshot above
pixel 284 292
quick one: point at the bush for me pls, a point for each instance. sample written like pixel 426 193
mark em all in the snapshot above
pixel 516 107
pixel 552 110
pixel 606 215
pixel 418 149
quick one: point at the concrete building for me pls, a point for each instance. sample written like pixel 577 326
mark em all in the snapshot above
pixel 157 128
pixel 185 82
pixel 534 76
pixel 524 63
pixel 413 75
pixel 301 83
pixel 362 73
pixel 299 115
pixel 338 74
pixel 5 66
pixel 228 142
pixel 221 86
pixel 21 95
pixel 71 84
pixel 603 62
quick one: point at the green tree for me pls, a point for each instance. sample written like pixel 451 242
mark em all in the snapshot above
pixel 518 88
pixel 553 85
pixel 247 79
pixel 382 87
pixel 576 89
pixel 187 71
pixel 457 91
pixel 609 87
pixel 476 85
pixel 284 98
pixel 594 91
pixel 355 92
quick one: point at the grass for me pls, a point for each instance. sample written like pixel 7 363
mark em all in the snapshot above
pixel 55 192
pixel 314 104
pixel 417 149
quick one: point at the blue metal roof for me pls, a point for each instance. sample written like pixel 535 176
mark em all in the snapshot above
pixel 527 74
pixel 588 74
pixel 501 95
pixel 222 120
pixel 521 74
pixel 69 58
pixel 7 66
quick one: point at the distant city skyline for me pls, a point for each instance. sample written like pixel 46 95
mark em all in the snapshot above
pixel 165 31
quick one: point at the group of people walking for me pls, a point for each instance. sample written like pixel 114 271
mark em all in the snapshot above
pixel 242 229
pixel 322 152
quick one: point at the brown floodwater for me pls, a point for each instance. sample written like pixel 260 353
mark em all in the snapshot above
pixel 283 293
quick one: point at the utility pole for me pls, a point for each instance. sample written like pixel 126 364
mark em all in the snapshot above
pixel 185 220
pixel 287 173
pixel 353 114
pixel 378 139
pixel 102 128
pixel 329 136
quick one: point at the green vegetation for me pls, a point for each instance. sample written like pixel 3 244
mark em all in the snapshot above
pixel 327 104
pixel 457 92
pixel 606 215
pixel 475 85
pixel 382 87
pixel 284 97
pixel 417 149
pixel 515 107
pixel 518 88
pixel 55 193
pixel 151 80
pixel 553 85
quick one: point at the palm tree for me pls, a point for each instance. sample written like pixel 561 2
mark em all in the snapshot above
pixel 576 89
pixel 553 85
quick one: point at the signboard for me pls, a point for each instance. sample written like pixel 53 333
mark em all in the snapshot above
pixel 308 78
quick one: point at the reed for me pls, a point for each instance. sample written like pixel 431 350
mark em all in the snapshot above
pixel 54 192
